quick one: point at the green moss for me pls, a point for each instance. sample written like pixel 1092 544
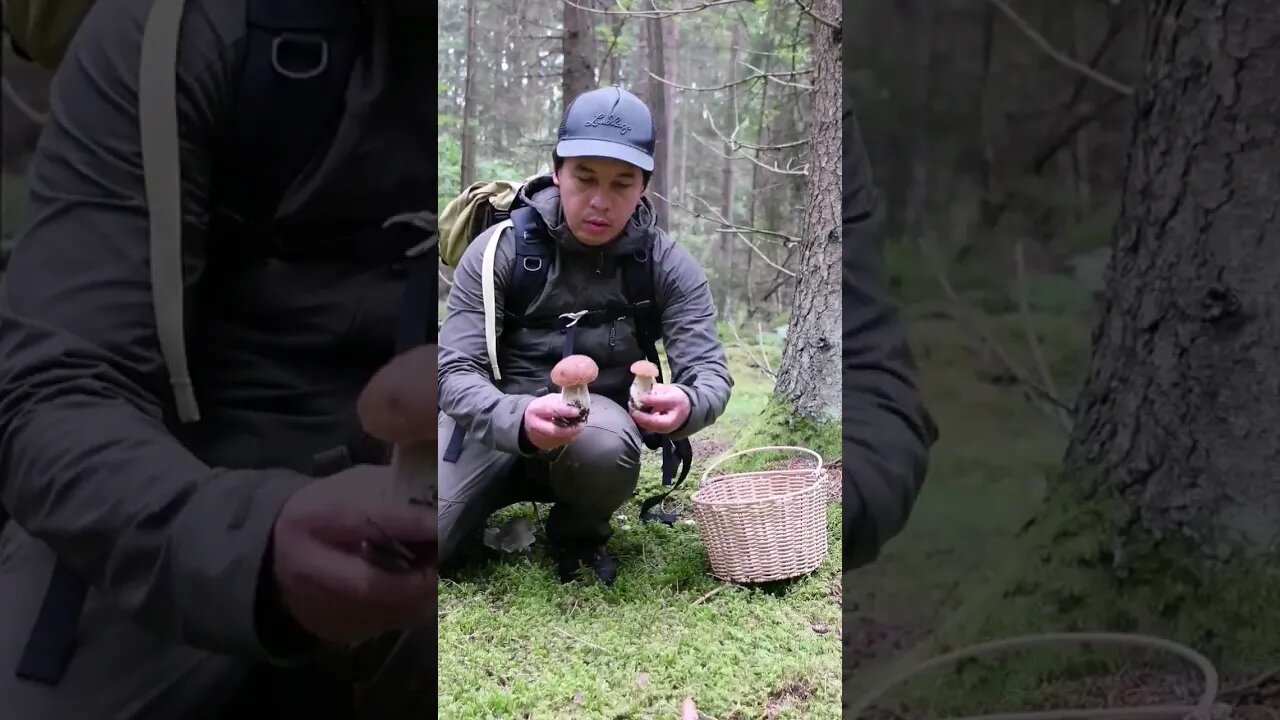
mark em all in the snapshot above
pixel 779 425
pixel 1059 578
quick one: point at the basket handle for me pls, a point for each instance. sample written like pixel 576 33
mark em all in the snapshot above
pixel 772 448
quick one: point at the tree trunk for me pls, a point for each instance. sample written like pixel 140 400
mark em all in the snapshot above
pixel 578 75
pixel 1166 519
pixel 467 173
pixel 658 186
pixel 1180 413
pixel 726 241
pixel 809 376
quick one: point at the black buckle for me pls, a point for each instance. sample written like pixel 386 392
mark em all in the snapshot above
pixel 299 40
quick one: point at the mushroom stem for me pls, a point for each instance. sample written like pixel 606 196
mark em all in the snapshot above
pixel 577 395
pixel 639 387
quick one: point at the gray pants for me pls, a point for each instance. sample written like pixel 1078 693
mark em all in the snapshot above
pixel 587 480
pixel 122 672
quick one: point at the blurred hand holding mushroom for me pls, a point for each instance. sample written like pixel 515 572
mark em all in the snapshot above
pixel 399 406
pixel 550 422
pixel 555 420
pixel 663 409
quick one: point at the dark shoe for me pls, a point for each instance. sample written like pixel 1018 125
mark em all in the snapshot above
pixel 572 556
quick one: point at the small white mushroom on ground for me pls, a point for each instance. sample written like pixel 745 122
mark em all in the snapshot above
pixel 572 375
pixel 645 372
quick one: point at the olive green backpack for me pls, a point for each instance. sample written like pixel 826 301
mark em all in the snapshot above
pixel 41 30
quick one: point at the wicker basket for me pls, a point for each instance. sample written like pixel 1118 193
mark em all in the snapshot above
pixel 763 526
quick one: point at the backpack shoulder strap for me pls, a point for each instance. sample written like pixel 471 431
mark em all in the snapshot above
pixel 293 77
pixel 493 237
pixel 638 286
pixel 677 455
pixel 161 151
pixel 531 262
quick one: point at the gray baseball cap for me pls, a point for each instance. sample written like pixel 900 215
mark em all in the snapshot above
pixel 608 122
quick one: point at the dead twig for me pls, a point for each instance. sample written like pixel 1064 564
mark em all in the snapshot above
pixel 1024 311
pixel 657 13
pixel 1249 686
pixel 738 230
pixel 575 638
pixel 708 596
pixel 732 142
pixel 971 318
pixel 808 10
pixel 764 355
pixel 726 86
pixel 1059 56
pixel 762 362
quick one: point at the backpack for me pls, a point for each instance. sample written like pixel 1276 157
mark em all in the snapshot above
pixel 41 30
pixel 281 117
pixel 481 213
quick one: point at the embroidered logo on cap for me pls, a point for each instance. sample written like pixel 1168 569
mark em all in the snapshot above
pixel 602 120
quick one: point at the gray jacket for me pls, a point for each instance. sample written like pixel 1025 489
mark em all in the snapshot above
pixel 170 525
pixel 887 429
pixel 580 278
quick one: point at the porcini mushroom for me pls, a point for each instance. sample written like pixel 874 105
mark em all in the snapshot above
pixel 572 375
pixel 399 405
pixel 645 372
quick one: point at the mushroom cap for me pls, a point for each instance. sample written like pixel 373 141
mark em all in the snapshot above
pixel 399 404
pixel 644 368
pixel 574 370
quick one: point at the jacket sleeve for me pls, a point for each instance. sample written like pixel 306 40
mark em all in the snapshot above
pixel 887 429
pixel 87 464
pixel 467 392
pixel 689 337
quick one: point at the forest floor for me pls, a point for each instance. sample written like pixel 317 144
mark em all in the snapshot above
pixel 515 643
pixel 990 469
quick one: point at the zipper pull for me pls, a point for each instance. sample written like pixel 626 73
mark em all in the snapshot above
pixel 613 334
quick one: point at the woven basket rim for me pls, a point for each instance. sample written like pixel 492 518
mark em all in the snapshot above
pixel 809 487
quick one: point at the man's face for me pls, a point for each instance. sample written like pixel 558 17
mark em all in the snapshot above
pixel 598 196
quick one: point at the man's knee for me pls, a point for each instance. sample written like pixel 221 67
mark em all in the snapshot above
pixel 606 455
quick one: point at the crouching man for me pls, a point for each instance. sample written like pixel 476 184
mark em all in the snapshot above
pixel 581 269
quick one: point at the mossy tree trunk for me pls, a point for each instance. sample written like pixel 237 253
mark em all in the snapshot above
pixel 1180 415
pixel 809 373
pixel 1166 518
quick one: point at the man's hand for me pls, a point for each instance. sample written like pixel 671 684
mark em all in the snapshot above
pixel 540 422
pixel 323 580
pixel 665 409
